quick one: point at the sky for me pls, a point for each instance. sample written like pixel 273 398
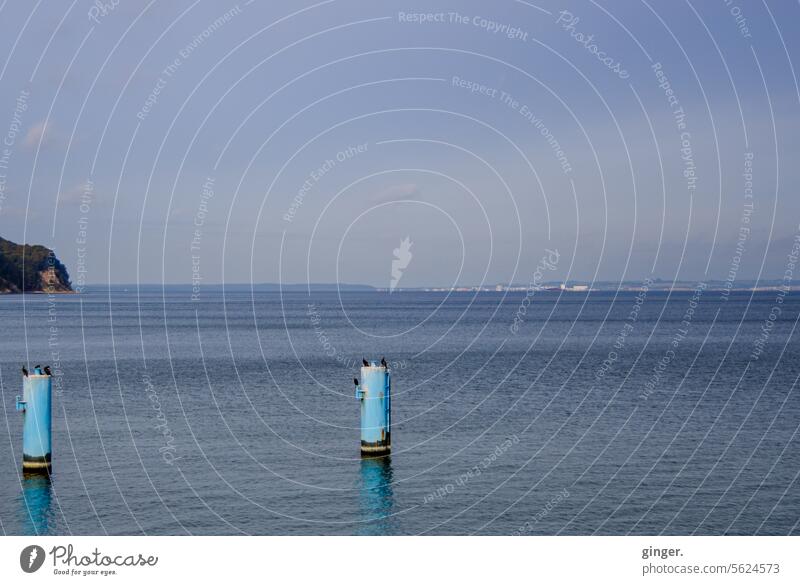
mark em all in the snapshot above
pixel 202 142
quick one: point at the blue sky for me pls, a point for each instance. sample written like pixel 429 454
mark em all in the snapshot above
pixel 253 99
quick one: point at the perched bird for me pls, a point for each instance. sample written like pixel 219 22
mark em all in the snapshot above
pixel 355 381
pixel 37 369
pixel 24 371
pixel 383 363
pixel 365 362
pixel 47 371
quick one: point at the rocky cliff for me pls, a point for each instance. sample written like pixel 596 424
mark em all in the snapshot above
pixel 26 268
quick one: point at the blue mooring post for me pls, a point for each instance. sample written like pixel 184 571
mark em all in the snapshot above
pixel 35 405
pixel 375 395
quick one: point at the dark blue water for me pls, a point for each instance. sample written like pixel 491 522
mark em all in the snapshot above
pixel 236 414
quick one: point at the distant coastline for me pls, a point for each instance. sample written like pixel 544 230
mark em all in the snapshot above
pixel 552 287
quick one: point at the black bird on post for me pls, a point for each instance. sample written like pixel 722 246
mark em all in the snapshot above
pixel 365 362
pixel 24 371
pixel 47 371
pixel 383 362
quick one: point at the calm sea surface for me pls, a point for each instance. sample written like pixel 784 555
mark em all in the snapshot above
pixel 575 414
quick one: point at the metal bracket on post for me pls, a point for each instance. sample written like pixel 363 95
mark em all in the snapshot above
pixel 21 404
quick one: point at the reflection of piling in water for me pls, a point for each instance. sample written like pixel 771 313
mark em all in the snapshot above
pixel 36 495
pixel 377 498
pixel 35 406
pixel 374 392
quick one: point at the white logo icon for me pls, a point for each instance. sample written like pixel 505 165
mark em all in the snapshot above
pixel 31 558
pixel 402 258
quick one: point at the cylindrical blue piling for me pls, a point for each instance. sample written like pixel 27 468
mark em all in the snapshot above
pixel 36 405
pixel 375 395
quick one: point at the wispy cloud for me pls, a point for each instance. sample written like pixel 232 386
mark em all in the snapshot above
pixel 38 133
pixel 78 194
pixel 398 193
